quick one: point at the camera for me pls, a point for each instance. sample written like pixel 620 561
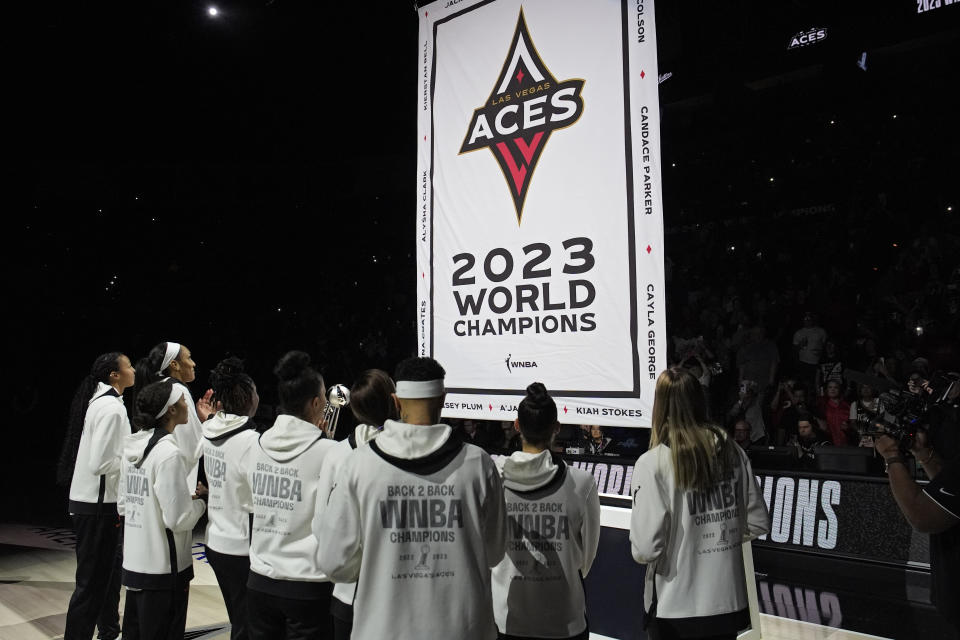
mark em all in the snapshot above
pixel 905 410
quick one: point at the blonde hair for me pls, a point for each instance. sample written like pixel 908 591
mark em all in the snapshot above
pixel 700 451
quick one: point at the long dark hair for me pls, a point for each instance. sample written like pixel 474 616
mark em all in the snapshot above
pixel 700 451
pixel 100 371
pixel 297 382
pixel 370 398
pixel 232 387
pixel 149 403
pixel 537 415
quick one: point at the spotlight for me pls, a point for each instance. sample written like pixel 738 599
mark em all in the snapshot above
pixel 213 12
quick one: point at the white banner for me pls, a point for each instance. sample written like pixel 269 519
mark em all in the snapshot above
pixel 540 223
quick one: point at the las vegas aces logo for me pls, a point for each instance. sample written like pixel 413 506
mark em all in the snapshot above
pixel 527 104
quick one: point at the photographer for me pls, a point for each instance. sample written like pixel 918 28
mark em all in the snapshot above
pixel 934 509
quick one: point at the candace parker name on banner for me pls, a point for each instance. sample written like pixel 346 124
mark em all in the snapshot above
pixel 540 226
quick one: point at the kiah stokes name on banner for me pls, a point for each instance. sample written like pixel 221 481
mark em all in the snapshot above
pixel 540 224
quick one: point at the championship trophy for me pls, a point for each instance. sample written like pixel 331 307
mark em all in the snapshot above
pixel 337 397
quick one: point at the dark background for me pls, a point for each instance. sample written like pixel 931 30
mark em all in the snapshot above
pixel 245 184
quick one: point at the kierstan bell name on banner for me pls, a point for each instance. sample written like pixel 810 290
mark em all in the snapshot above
pixel 539 209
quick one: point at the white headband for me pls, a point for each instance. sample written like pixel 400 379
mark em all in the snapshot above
pixel 173 350
pixel 415 389
pixel 175 394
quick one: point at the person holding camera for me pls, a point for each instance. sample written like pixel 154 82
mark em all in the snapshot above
pixel 933 509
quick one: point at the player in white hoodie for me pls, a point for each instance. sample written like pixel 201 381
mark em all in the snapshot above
pixel 371 402
pixel 159 515
pixel 288 594
pixel 229 437
pixel 90 462
pixel 175 361
pixel 553 529
pixel 417 520
pixel 695 501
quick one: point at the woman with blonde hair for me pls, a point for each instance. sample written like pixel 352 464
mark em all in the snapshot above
pixel 695 501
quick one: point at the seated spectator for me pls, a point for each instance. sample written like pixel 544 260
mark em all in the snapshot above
pixel 808 439
pixel 748 405
pixel 509 438
pixel 864 412
pixel 741 433
pixel 477 432
pixel 835 411
pixel 599 444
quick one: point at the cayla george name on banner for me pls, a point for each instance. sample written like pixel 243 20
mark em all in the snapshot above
pixel 540 225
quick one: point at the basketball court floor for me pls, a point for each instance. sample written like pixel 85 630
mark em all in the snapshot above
pixel 36 580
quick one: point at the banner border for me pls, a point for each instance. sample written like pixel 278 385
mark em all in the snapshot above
pixel 633 393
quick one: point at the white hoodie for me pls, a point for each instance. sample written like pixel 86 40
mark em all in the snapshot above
pixel 96 474
pixel 691 539
pixel 159 513
pixel 284 475
pixel 417 519
pixel 553 529
pixel 228 440
pixel 344 592
pixel 188 438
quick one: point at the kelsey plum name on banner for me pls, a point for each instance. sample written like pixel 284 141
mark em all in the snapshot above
pixel 543 302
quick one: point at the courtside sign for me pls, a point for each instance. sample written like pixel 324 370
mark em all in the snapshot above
pixel 539 215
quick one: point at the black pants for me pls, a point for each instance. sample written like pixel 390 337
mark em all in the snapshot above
pixel 156 614
pixel 342 628
pixel 232 573
pixel 271 617
pixel 90 604
pixel 585 635
pixel 665 629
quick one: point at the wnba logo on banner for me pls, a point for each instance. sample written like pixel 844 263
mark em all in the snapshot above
pixel 527 104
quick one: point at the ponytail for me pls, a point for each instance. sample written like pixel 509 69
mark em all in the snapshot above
pixel 148 372
pixel 100 371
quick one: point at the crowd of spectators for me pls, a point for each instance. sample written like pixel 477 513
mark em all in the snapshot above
pixel 802 360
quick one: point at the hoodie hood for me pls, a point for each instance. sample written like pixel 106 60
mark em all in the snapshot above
pixel 222 424
pixel 288 438
pixel 409 441
pixel 364 433
pixel 527 471
pixel 139 444
pixel 102 389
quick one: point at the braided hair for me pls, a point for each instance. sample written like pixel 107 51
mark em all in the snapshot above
pixel 232 387
pixel 100 371
pixel 537 415
pixel 298 382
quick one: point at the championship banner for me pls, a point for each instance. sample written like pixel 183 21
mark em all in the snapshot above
pixel 539 213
